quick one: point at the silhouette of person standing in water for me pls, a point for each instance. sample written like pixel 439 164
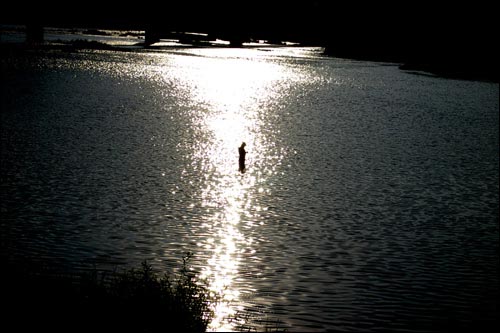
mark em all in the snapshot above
pixel 242 152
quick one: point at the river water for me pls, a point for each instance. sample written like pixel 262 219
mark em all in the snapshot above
pixel 369 201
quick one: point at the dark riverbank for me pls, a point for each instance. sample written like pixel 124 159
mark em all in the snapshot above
pixel 455 64
pixel 465 71
pixel 136 300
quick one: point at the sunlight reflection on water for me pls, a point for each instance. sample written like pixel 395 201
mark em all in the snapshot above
pixel 228 98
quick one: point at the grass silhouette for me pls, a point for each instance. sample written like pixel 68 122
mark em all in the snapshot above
pixel 137 300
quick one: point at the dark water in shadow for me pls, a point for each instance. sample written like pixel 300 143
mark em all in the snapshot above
pixel 370 199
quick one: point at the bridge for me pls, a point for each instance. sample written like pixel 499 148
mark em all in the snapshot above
pixel 276 20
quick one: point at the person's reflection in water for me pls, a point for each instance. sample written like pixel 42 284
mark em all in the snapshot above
pixel 242 152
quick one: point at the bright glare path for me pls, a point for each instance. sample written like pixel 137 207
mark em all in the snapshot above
pixel 230 99
pixel 222 268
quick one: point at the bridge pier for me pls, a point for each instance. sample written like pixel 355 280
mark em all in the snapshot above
pixel 151 36
pixel 34 33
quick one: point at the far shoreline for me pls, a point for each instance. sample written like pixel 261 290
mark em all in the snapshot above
pixel 440 69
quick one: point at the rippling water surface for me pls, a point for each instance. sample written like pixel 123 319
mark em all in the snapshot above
pixel 370 198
